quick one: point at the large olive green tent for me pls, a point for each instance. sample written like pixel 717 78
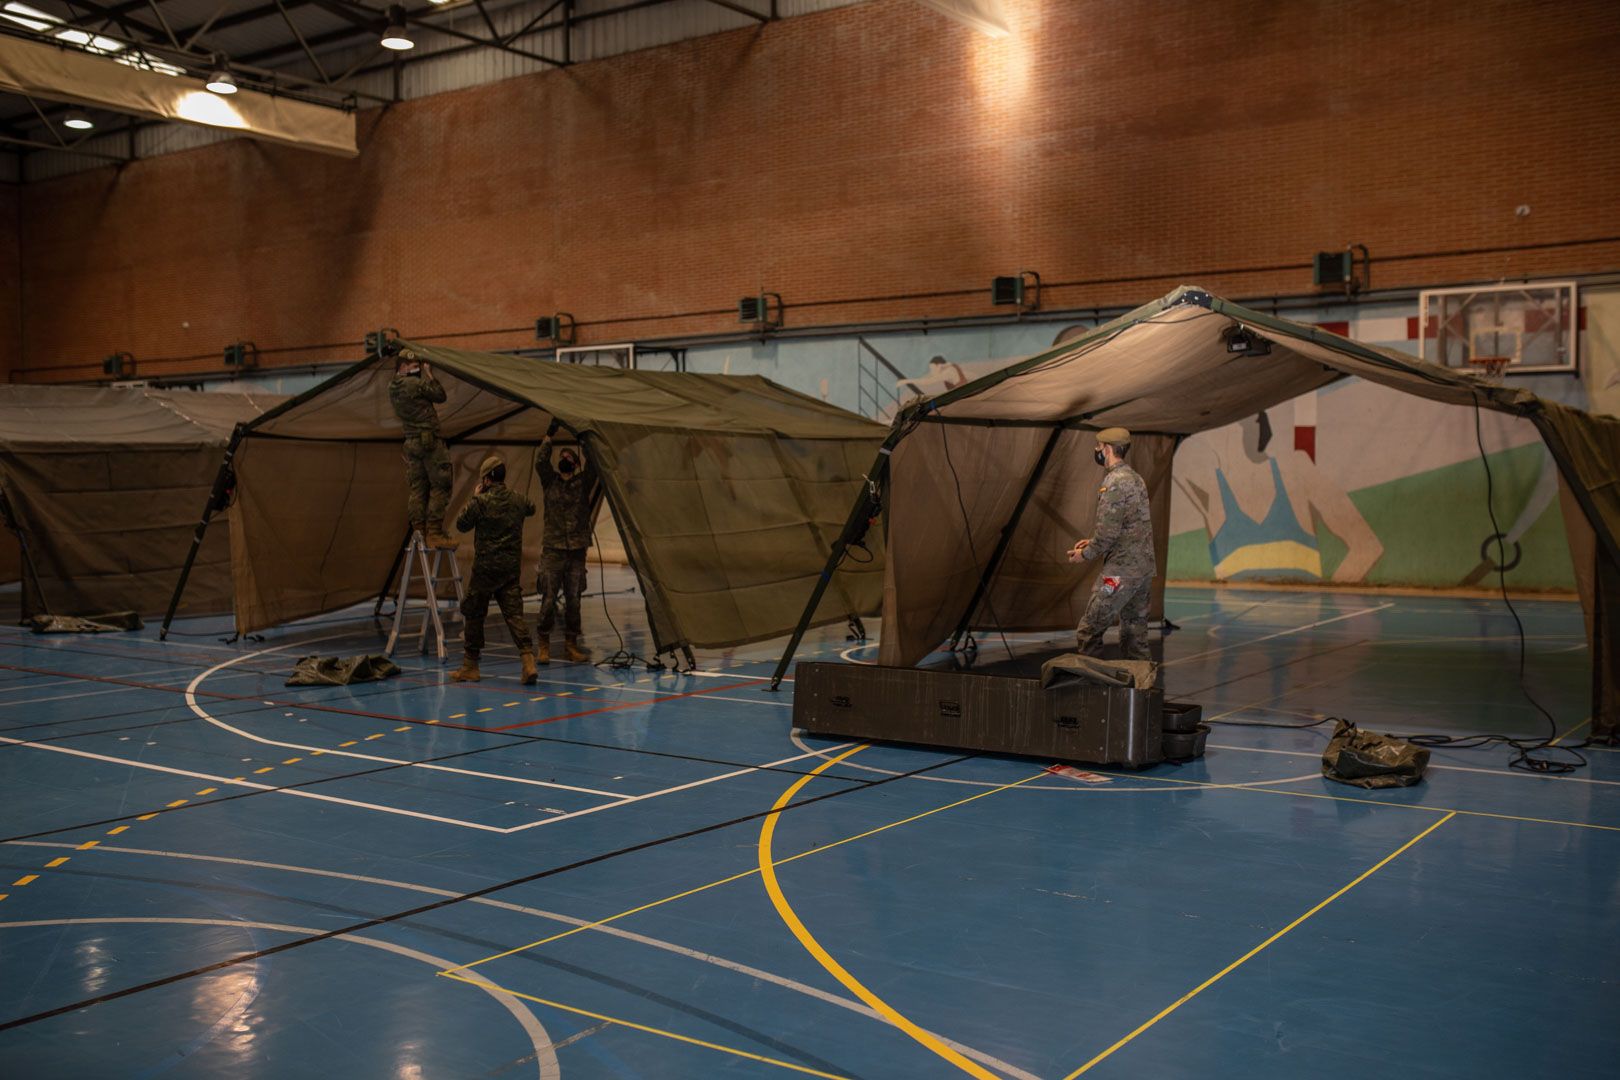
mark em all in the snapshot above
pixel 1006 459
pixel 102 485
pixel 727 490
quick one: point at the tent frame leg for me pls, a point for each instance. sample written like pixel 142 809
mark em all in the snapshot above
pixel 30 571
pixel 215 497
pixel 1005 540
pixel 853 526
pixel 388 582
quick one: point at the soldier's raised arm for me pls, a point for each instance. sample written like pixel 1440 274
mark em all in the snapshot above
pixel 542 463
pixel 470 515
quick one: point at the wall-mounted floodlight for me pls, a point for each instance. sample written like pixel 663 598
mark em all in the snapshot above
pixel 1022 290
pixel 1339 268
pixel 242 355
pixel 764 310
pixel 120 365
pixel 559 329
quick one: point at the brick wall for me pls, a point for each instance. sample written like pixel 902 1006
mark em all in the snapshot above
pixel 874 150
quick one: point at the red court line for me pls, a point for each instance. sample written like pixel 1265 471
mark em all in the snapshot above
pixel 310 707
pixel 624 705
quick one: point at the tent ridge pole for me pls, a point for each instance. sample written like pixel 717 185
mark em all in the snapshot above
pixel 852 524
pixel 1005 541
pixel 215 495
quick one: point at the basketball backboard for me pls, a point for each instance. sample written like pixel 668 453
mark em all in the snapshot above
pixel 1523 329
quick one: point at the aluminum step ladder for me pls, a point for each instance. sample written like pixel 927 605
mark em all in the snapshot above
pixel 427 565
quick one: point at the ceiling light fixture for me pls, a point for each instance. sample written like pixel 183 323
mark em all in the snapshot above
pixel 78 120
pixel 222 82
pixel 394 36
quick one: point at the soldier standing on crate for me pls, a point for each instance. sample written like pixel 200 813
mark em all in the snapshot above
pixel 570 498
pixel 413 393
pixel 1123 540
pixel 494 515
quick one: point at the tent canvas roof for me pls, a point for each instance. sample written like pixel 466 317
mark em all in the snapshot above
pixel 63 418
pixel 727 490
pixel 1006 460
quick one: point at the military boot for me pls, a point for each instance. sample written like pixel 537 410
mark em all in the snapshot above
pixel 544 655
pixel 575 654
pixel 469 669
pixel 529 674
pixel 437 538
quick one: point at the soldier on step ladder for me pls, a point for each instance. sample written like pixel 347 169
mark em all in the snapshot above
pixel 494 515
pixel 413 393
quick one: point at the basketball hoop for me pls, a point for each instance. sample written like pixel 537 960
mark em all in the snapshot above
pixel 1490 367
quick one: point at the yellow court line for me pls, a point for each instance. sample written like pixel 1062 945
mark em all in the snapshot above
pixel 1246 957
pixel 1570 732
pixel 1378 802
pixel 486 985
pixel 24 880
pixel 738 877
pixel 54 863
pixel 790 918
pixel 115 830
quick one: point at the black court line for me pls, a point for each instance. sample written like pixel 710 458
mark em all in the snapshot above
pixel 422 909
pixel 485 946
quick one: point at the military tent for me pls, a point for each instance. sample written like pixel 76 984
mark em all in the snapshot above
pixel 1006 460
pixel 727 490
pixel 102 486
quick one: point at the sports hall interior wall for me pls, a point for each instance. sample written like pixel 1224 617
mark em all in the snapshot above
pixel 645 193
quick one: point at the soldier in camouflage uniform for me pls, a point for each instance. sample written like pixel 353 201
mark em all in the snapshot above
pixel 570 497
pixel 413 393
pixel 1123 540
pixel 494 515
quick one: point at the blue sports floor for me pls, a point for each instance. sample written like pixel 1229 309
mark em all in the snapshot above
pixel 210 874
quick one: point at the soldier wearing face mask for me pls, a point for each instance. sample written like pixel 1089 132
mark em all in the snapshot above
pixel 1123 540
pixel 570 489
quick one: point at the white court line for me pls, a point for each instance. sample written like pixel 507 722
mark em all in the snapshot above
pixel 1447 768
pixel 670 790
pixel 544 1056
pixel 191 700
pixel 100 693
pixel 1278 634
pixel 53 680
pixel 568 920
pixel 232 781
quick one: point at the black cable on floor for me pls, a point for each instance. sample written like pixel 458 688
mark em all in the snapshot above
pixel 623 658
pixel 1526 758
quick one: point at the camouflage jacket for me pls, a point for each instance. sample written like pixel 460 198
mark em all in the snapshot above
pixel 495 518
pixel 569 502
pixel 413 398
pixel 1123 535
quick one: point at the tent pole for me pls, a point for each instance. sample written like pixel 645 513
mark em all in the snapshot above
pixel 215 497
pixel 30 571
pixel 1005 541
pixel 399 557
pixel 854 526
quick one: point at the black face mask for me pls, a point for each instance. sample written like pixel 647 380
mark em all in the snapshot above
pixel 566 465
pixel 1097 456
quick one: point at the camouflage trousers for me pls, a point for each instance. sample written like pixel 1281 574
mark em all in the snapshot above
pixel 1126 602
pixel 427 475
pixel 562 572
pixel 475 606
